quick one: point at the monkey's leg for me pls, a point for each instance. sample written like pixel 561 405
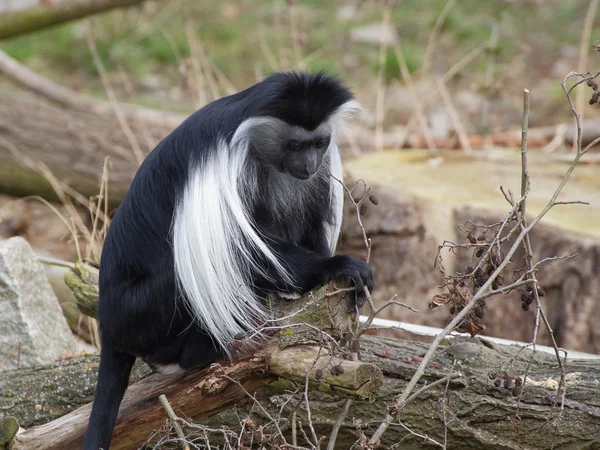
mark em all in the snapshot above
pixel 198 350
pixel 113 376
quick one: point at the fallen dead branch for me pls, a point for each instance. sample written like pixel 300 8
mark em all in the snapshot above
pixel 23 17
pixel 473 400
pixel 467 292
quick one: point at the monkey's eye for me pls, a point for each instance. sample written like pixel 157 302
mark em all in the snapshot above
pixel 294 146
pixel 322 143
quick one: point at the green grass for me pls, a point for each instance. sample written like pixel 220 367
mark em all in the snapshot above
pixel 135 39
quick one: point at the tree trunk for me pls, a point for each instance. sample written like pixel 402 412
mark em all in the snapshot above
pixel 54 129
pixel 482 410
pixel 23 16
pixel 72 144
pixel 479 414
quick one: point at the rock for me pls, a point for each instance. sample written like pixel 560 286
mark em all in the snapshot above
pixel 373 33
pixel 31 314
pixel 402 254
pixel 421 205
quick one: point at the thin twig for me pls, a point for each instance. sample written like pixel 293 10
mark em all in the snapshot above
pixel 338 424
pixel 590 16
pixel 450 73
pixel 375 311
pixel 415 98
pixel 362 228
pixel 444 399
pixel 174 419
pixel 433 35
pixel 431 386
pixel 55 262
pixel 294 429
pixel 379 83
pixel 295 34
pixel 424 437
pixel 400 400
pixel 307 403
pixel 256 402
pixel 524 172
pixel 135 146
pixel 455 118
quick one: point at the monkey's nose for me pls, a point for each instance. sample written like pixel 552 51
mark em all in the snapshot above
pixel 310 165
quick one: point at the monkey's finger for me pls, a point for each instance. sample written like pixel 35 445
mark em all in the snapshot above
pixel 359 284
pixel 360 296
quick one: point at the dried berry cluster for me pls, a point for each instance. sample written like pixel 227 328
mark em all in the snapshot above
pixel 463 286
pixel 506 382
pixel 527 296
pixel 333 370
pixel 364 201
pixel 596 93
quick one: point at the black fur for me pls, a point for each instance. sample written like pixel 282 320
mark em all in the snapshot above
pixel 140 311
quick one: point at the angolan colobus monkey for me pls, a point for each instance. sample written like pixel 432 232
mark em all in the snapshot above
pixel 238 201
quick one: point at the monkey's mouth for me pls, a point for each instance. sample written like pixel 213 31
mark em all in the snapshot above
pixel 302 176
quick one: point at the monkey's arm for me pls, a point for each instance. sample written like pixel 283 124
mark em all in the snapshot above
pixel 309 269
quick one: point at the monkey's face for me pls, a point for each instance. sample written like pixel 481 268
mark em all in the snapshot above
pixel 290 149
pixel 302 158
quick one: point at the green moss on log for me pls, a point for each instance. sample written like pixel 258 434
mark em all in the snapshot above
pixel 83 281
pixel 8 429
pixel 39 17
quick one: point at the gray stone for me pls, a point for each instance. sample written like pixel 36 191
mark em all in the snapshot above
pixel 30 313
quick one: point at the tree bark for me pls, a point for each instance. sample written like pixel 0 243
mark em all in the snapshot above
pixel 479 414
pixel 22 16
pixel 51 128
pixel 71 143
pixel 69 134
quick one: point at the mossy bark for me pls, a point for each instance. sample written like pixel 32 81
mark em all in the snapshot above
pixel 479 414
pixel 82 279
pixel 72 144
pixel 21 21
pixel 39 395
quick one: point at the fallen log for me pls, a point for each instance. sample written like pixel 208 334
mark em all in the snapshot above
pixel 70 134
pixel 479 414
pixel 26 16
pixel 486 406
pixel 48 127
pixel 36 135
pixel 219 387
pixel 42 394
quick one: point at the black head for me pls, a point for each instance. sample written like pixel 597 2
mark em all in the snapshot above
pixel 303 99
pixel 295 121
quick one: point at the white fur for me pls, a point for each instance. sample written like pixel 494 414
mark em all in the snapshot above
pixel 169 369
pixel 336 190
pixel 214 240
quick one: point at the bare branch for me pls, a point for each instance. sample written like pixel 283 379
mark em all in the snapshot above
pixel 338 424
pixel 174 420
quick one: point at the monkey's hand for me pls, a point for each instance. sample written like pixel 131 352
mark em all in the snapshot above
pixel 359 271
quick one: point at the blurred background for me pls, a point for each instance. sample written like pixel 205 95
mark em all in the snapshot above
pixel 441 83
